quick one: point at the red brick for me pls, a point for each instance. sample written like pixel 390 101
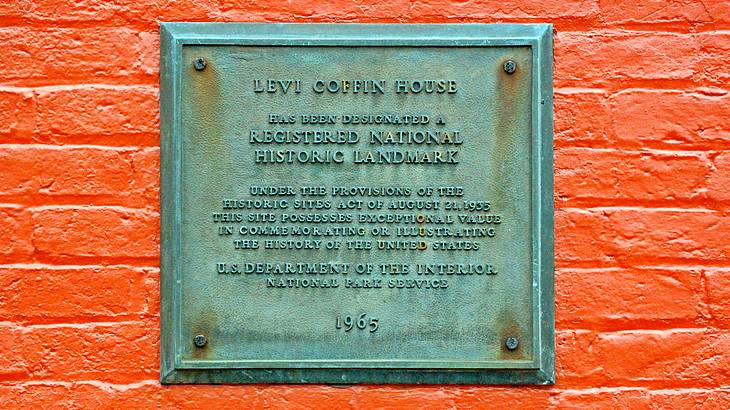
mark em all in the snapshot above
pixel 101 112
pixel 644 357
pixel 608 175
pixel 67 55
pixel 717 282
pixel 639 236
pixel 119 353
pixel 44 174
pixel 16 229
pixel 608 57
pixel 671 119
pixel 77 293
pixel 101 233
pixel 627 297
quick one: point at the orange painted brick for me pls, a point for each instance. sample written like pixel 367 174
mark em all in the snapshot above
pixel 17 115
pixel 691 398
pixel 582 118
pixel 491 11
pixel 43 174
pixel 695 355
pixel 146 164
pixel 98 111
pixel 571 348
pixel 413 397
pixel 124 352
pixel 621 398
pixel 13 366
pixel 99 233
pixel 491 397
pixel 717 282
pixel 644 357
pixel 80 395
pixel 711 66
pixel 68 55
pixel 718 183
pixel 610 175
pixel 51 294
pixel 115 12
pixel 671 119
pixel 319 11
pixel 639 236
pixel 302 397
pixel 627 296
pixel 657 11
pixel 16 229
pixel 211 397
pixel 610 57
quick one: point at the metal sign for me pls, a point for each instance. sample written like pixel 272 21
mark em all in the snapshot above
pixel 356 203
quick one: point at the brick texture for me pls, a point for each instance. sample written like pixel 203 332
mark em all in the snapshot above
pixel 642 197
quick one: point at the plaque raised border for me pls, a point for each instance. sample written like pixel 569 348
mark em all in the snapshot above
pixel 174 36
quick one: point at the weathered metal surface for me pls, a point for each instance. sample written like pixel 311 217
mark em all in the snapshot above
pixel 222 322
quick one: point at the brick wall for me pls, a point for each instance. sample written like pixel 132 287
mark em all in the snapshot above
pixel 642 177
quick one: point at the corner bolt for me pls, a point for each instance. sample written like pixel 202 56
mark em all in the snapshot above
pixel 510 67
pixel 199 64
pixel 200 340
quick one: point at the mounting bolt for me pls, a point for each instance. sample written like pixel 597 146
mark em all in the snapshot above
pixel 510 67
pixel 512 343
pixel 200 340
pixel 199 64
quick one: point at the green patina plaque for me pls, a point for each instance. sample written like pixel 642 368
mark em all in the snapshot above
pixel 356 203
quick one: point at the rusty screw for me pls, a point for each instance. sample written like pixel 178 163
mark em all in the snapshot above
pixel 199 64
pixel 512 343
pixel 200 340
pixel 510 67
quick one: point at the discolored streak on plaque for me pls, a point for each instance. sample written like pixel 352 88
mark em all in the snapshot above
pixel 513 95
pixel 204 325
pixel 207 94
pixel 510 328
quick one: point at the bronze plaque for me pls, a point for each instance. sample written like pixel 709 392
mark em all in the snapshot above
pixel 357 203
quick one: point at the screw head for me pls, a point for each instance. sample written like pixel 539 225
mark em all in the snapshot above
pixel 511 343
pixel 200 340
pixel 199 64
pixel 510 67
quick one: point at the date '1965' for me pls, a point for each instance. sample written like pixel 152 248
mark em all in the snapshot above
pixel 362 322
